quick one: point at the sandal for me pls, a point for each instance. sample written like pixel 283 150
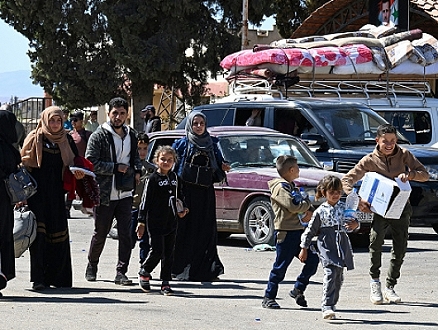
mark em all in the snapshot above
pixel 270 303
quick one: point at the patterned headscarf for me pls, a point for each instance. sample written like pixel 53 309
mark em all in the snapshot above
pixel 32 151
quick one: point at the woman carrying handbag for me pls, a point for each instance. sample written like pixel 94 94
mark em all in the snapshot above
pixel 200 165
pixel 9 160
pixel 47 152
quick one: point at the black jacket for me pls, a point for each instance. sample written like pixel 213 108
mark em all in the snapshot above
pixel 99 153
pixel 157 208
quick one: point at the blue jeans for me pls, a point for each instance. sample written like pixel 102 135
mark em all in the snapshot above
pixel 285 252
pixel 143 242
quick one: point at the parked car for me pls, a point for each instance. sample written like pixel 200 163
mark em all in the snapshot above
pixel 243 202
pixel 339 134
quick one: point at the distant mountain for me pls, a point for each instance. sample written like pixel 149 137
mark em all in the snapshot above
pixel 18 83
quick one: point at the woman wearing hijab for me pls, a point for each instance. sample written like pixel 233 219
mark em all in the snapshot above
pixel 9 160
pixel 196 257
pixel 47 152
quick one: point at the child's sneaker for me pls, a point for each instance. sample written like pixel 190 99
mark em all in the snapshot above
pixel 270 303
pixel 298 295
pixel 376 293
pixel 390 295
pixel 143 281
pixel 328 313
pixel 166 290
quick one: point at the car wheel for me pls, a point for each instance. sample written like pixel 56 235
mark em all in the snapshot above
pixel 435 227
pixel 259 222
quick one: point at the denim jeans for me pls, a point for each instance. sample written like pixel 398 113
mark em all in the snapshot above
pixel 285 252
pixel 399 230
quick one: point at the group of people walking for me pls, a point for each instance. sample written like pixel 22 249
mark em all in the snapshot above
pixel 114 149
pixel 175 220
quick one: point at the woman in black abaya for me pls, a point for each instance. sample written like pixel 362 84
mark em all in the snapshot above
pixel 47 152
pixel 9 160
pixel 196 257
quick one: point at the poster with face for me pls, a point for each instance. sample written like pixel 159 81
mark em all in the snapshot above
pixel 393 12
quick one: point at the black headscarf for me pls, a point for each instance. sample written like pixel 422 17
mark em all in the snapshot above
pixel 9 155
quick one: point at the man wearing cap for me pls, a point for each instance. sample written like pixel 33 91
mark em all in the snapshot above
pixel 152 123
pixel 79 134
pixel 92 124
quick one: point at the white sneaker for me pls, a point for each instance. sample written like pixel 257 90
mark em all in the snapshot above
pixel 390 295
pixel 328 314
pixel 376 293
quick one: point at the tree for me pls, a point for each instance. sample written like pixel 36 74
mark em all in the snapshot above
pixel 84 51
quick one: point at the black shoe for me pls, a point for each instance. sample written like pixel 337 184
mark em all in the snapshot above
pixel 166 290
pixel 38 286
pixel 143 281
pixel 122 279
pixel 90 273
pixel 299 297
pixel 270 303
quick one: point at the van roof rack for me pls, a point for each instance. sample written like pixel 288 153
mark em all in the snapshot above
pixel 370 90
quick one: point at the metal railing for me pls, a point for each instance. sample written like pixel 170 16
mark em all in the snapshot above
pixel 28 111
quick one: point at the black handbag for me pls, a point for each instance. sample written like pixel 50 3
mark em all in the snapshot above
pixel 20 185
pixel 197 174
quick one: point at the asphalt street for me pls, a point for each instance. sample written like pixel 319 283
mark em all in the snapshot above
pixel 233 302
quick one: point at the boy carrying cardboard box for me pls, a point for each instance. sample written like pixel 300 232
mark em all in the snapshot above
pixel 391 161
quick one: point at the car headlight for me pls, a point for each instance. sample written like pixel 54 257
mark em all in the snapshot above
pixel 433 171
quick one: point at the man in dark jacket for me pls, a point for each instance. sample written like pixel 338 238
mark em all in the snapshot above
pixel 112 149
pixel 152 123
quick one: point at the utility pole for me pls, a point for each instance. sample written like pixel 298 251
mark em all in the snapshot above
pixel 245 24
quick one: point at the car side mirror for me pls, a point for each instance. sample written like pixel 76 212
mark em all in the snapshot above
pixel 312 139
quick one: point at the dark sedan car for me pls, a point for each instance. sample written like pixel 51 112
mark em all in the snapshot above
pixel 242 203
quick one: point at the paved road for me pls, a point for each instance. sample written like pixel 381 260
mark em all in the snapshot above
pixel 231 303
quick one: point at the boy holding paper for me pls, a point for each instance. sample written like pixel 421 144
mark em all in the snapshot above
pixel 392 161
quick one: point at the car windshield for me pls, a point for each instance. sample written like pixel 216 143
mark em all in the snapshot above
pixel 353 126
pixel 256 151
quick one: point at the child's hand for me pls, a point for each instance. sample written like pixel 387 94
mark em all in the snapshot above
pixel 183 213
pixel 351 225
pixel 364 206
pixel 140 230
pixel 303 255
pixel 404 176
pixel 307 217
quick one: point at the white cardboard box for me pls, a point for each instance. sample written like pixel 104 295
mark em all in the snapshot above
pixel 387 197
